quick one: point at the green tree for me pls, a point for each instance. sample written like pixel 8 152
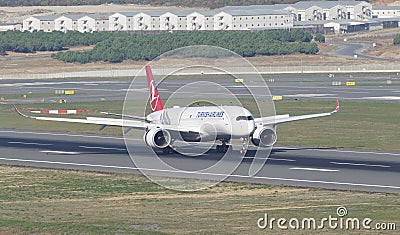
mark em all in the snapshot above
pixel 319 38
pixel 396 40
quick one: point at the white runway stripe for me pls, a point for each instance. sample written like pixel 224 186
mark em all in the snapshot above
pixel 351 151
pixel 103 148
pixel 313 169
pixel 272 159
pixel 357 164
pixel 282 159
pixel 26 143
pixel 64 134
pixel 60 152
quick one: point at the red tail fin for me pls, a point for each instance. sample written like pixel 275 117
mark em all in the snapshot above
pixel 155 100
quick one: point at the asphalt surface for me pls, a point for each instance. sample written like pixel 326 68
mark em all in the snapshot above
pixel 348 50
pixel 311 167
pixel 370 89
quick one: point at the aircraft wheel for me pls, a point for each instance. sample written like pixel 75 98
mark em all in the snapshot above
pixel 168 150
pixel 222 148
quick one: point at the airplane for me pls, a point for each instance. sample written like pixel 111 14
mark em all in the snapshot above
pixel 193 124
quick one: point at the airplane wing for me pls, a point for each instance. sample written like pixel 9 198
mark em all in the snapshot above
pixel 278 119
pixel 125 116
pixel 103 122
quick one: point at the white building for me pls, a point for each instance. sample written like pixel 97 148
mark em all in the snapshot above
pixel 174 20
pixel 67 23
pixel 147 20
pixel 93 22
pixel 44 23
pixel 330 10
pixel 337 12
pixel 306 12
pixel 386 12
pixel 358 10
pixel 200 20
pixel 252 19
pixel 223 21
pixel 121 21
pixel 10 27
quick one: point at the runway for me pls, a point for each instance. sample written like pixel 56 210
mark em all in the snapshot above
pixel 375 89
pixel 310 167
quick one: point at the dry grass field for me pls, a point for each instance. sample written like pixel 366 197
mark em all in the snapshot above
pixel 40 201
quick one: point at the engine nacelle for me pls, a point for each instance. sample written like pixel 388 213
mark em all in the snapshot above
pixel 157 138
pixel 264 137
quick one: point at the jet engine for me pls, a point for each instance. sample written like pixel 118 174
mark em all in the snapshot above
pixel 264 137
pixel 157 138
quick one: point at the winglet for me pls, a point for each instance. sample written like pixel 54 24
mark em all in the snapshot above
pixel 337 106
pixel 155 100
pixel 19 113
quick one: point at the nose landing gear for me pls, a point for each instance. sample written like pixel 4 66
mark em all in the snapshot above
pixel 222 148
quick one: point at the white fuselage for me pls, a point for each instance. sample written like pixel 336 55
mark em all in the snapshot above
pixel 214 122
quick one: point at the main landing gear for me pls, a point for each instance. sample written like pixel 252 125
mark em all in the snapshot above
pixel 223 148
pixel 168 150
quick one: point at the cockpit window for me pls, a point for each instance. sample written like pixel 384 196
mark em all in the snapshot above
pixel 246 118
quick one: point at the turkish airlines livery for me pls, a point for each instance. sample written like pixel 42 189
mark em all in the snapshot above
pixel 194 124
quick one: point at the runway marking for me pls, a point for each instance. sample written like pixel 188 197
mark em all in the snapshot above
pixel 308 95
pixel 270 158
pixel 60 152
pixel 313 169
pixel 357 164
pixel 103 148
pixel 351 151
pixel 206 173
pixel 26 143
pixel 382 98
pixel 281 159
pixel 78 88
pixel 55 83
pixel 64 134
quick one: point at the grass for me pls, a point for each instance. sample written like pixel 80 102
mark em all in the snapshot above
pixel 358 125
pixel 41 201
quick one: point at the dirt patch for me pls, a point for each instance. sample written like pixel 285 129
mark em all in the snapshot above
pixel 385 3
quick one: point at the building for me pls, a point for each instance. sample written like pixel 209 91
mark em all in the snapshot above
pixel 93 23
pixel 330 10
pixel 45 23
pixel 10 27
pixel 200 20
pixel 147 20
pixel 386 12
pixel 67 23
pixel 121 21
pixel 252 19
pixel 174 20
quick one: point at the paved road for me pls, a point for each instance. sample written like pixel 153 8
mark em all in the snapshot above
pixel 314 167
pixel 374 89
pixel 348 50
